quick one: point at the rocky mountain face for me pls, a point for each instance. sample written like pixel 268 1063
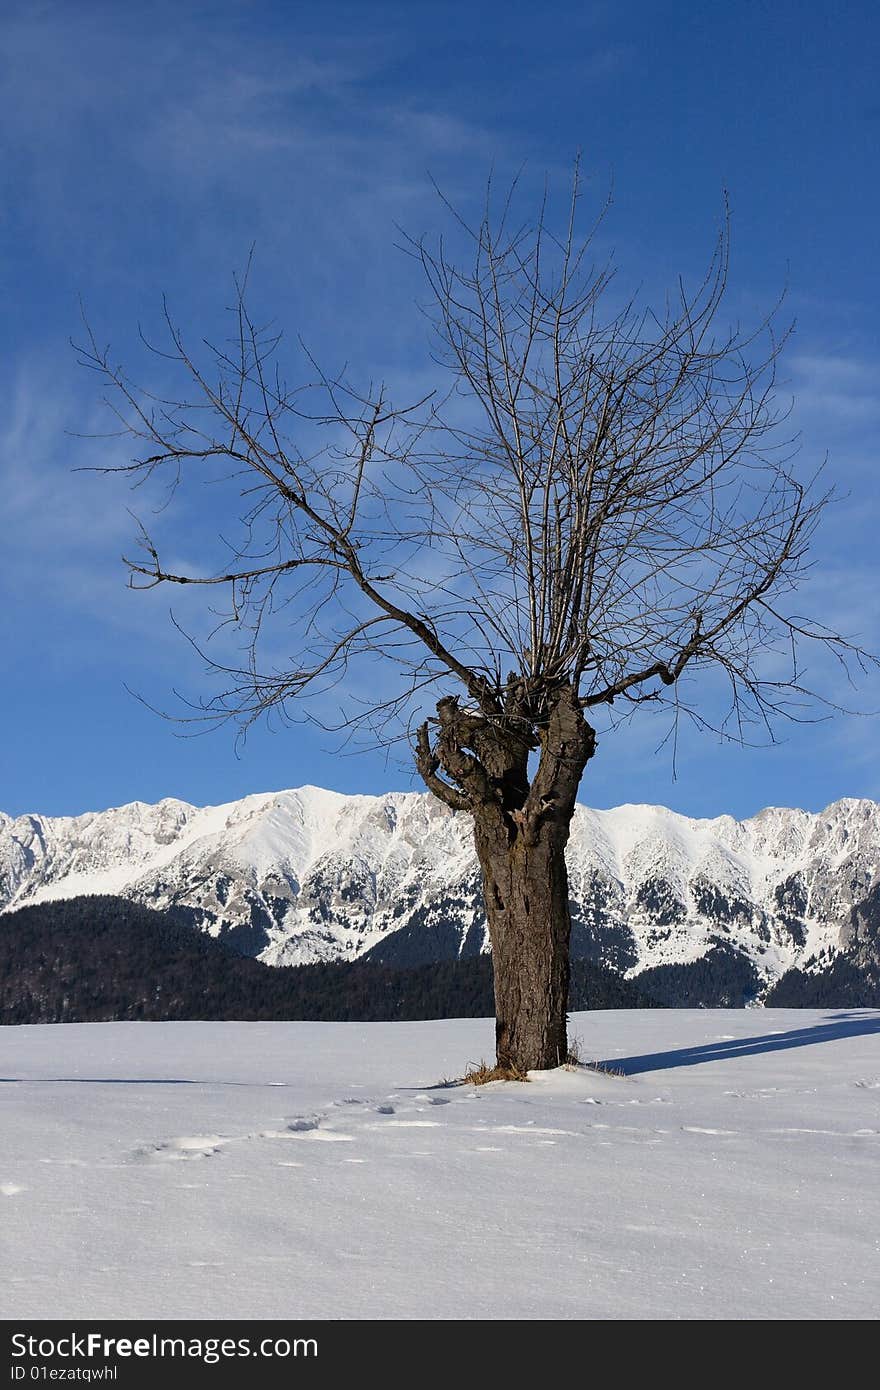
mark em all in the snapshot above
pixel 309 875
pixel 860 936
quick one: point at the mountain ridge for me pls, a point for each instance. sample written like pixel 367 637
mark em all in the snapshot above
pixel 308 874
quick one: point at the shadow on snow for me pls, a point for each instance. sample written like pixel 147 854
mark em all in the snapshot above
pixel 843 1025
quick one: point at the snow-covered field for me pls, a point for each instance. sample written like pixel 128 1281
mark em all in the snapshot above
pixel 319 1170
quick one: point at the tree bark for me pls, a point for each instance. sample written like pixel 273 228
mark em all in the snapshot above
pixel 527 909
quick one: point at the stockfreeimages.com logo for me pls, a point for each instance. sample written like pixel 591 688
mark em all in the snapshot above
pixel 210 1350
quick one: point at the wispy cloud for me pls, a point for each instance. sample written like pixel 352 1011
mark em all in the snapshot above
pixel 843 391
pixel 108 113
pixel 66 529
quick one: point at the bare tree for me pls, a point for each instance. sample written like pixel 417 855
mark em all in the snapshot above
pixel 600 505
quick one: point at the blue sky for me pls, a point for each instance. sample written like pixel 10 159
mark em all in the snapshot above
pixel 144 148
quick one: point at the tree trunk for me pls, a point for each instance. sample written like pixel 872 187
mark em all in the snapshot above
pixel 521 830
pixel 526 891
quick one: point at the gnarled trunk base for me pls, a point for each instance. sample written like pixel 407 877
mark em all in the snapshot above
pixel 521 828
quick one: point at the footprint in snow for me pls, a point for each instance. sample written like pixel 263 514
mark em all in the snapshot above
pixel 829 1133
pixel 534 1129
pixel 698 1129
pixel 764 1093
pixel 306 1128
pixel 185 1147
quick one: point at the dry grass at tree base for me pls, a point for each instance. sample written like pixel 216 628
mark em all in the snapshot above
pixel 481 1073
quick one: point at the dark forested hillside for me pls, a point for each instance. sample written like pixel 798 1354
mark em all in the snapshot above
pixel 842 985
pixel 721 979
pixel 102 958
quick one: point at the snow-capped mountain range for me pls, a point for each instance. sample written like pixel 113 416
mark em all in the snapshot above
pixel 307 875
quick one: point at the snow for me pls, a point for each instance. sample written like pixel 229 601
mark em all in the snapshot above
pixel 298 1170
